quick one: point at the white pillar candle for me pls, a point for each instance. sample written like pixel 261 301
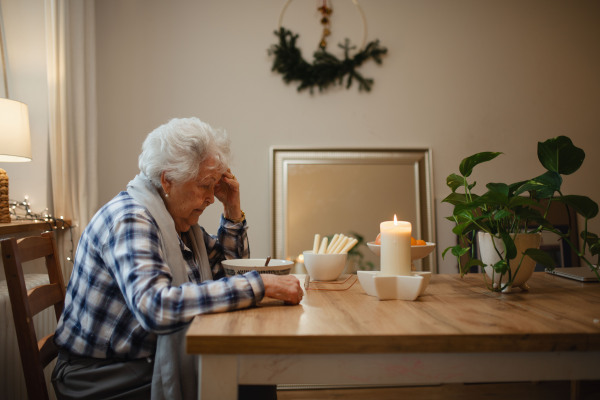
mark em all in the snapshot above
pixel 395 247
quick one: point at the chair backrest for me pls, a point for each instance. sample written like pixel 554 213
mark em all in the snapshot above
pixel 35 354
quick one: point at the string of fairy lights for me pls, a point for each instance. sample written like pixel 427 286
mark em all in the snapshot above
pixel 21 211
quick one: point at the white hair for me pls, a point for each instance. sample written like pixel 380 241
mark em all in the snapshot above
pixel 179 147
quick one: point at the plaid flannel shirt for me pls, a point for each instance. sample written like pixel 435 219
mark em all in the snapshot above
pixel 120 296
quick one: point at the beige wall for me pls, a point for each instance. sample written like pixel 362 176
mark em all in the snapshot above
pixel 461 76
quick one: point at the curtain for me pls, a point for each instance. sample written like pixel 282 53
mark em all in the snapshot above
pixel 72 116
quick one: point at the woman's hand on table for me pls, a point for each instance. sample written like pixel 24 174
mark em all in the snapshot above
pixel 283 287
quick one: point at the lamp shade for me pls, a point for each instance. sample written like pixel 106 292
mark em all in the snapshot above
pixel 15 140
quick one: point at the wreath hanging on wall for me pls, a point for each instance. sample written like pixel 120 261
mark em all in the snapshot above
pixel 326 69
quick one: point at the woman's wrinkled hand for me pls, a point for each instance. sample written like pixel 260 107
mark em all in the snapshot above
pixel 283 287
pixel 227 191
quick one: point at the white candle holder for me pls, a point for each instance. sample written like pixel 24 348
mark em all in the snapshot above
pixel 397 287
pixel 394 287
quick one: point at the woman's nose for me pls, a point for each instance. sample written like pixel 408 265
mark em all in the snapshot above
pixel 210 196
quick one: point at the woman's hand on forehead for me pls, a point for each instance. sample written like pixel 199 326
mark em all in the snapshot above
pixel 227 189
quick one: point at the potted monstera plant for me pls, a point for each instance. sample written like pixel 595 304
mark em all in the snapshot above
pixel 508 218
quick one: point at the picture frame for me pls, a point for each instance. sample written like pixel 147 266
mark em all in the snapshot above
pixel 351 191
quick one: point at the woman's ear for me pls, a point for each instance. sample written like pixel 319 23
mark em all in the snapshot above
pixel 165 183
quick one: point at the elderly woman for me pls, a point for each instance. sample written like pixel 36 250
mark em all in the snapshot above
pixel 144 268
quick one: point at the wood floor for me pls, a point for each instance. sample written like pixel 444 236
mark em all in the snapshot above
pixel 492 391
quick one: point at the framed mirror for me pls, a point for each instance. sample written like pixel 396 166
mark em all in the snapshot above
pixel 349 191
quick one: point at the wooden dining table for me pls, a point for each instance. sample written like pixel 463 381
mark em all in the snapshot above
pixel 456 331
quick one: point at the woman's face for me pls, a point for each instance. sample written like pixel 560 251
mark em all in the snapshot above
pixel 187 200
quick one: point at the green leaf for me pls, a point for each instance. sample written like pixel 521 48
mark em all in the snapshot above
pixel 462 217
pixel 544 185
pixel 455 199
pixel 465 209
pixel 540 257
pixel 492 198
pixel 445 251
pixel 522 201
pixel 509 245
pixel 583 205
pixel 456 251
pixel 463 228
pixel 514 186
pixel 592 241
pixel 501 267
pixel 500 188
pixel 459 228
pixel 474 262
pixel 471 263
pixel 455 181
pixel 595 249
pixel 589 235
pixel 467 165
pixel 560 155
pixel 532 215
pixel 502 214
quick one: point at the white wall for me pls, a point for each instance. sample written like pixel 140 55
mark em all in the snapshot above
pixel 461 76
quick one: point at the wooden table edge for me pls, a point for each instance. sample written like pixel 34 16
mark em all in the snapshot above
pixel 354 344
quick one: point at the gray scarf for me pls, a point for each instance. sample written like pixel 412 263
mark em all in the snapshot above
pixel 175 372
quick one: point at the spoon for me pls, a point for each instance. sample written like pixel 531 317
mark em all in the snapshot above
pixel 267 262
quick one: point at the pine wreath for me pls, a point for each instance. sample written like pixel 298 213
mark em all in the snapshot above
pixel 326 69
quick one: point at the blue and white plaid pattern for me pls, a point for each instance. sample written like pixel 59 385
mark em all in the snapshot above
pixel 120 296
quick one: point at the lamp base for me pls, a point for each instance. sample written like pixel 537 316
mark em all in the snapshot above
pixel 4 210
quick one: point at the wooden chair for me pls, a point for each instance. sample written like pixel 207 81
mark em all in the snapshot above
pixel 35 354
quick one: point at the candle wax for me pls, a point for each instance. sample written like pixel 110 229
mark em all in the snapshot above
pixel 395 247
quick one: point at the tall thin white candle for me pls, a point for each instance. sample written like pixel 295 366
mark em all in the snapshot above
pixel 395 247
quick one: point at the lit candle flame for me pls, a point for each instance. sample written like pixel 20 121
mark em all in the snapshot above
pixel 395 220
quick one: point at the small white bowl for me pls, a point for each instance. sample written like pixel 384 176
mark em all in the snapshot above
pixel 324 267
pixel 387 287
pixel 244 265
